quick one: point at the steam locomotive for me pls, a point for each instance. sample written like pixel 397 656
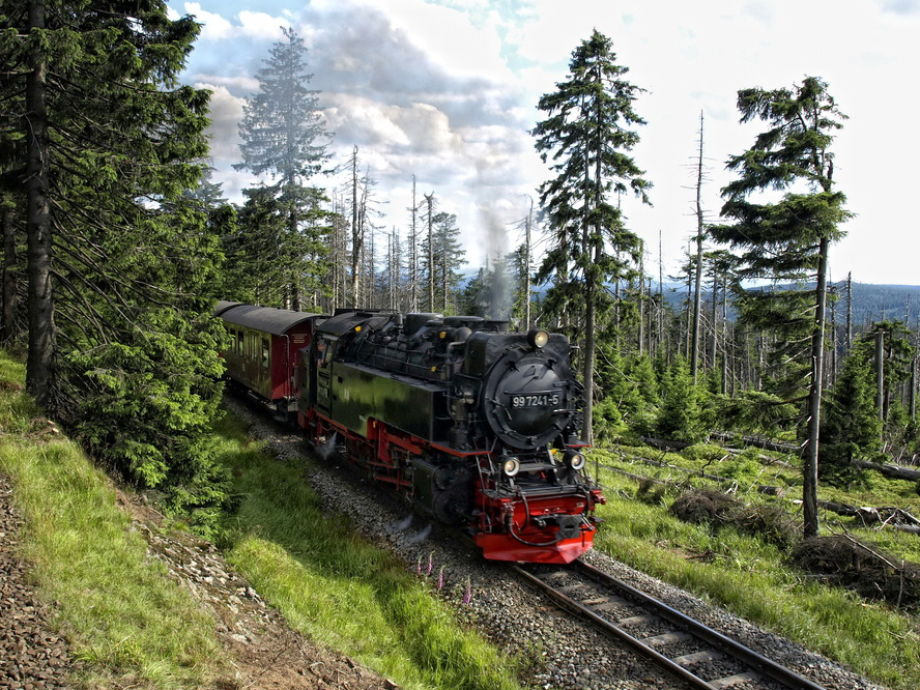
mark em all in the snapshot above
pixel 474 425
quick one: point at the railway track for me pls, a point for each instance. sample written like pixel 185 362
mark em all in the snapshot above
pixel 695 652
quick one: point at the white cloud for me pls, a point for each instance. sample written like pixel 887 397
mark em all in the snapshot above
pixel 262 25
pixel 215 26
pixel 447 36
pixel 427 89
pixel 257 25
pixel 237 83
pixel 902 6
pixel 226 111
pixel 364 121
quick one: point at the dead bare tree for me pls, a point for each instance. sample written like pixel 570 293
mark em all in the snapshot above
pixel 697 282
pixel 429 201
pixel 413 253
pixel 357 231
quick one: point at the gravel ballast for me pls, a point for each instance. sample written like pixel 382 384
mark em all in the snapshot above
pixel 564 653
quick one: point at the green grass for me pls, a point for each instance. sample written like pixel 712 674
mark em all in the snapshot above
pixel 874 490
pixel 121 614
pixel 754 580
pixel 336 588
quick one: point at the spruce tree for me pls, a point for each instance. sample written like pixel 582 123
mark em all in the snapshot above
pixel 254 273
pixel 447 260
pixel 105 124
pixel 587 134
pixel 679 416
pixel 787 240
pixel 282 136
pixel 851 427
pixel 122 268
pixel 11 270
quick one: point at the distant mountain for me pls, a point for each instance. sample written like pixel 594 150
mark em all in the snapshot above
pixel 870 302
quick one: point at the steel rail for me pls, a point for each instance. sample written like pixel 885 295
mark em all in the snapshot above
pixel 732 648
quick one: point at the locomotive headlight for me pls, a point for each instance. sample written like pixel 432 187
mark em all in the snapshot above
pixel 576 460
pixel 537 337
pixel 511 466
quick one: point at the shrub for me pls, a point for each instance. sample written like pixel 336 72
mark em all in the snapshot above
pixel 650 492
pixel 679 416
pixel 608 421
pixel 703 451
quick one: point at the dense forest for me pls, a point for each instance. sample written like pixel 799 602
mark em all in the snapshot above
pixel 116 244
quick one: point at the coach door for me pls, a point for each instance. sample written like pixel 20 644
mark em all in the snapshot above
pixel 325 349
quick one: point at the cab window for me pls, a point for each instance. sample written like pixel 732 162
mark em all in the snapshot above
pixel 324 351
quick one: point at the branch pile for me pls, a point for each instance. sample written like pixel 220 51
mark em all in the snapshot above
pixel 846 562
pixel 770 523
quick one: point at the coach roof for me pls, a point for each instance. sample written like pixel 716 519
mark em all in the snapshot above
pixel 265 319
pixel 222 306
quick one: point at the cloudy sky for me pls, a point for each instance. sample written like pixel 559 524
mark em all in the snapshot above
pixel 446 90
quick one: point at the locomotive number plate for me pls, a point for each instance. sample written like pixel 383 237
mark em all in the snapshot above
pixel 535 400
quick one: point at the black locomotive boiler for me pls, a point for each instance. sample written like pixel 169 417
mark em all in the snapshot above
pixel 474 425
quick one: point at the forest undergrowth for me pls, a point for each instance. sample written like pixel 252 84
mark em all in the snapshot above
pixel 745 572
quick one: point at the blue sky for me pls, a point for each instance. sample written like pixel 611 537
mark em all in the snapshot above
pixel 446 90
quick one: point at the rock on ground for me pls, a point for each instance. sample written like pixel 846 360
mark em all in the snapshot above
pixel 264 652
pixel 31 654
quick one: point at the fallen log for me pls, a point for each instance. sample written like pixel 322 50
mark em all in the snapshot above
pixel 765 459
pixel 664 444
pixel 756 441
pixel 893 471
pixel 886 516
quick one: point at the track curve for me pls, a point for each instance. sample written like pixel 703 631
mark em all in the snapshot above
pixel 700 655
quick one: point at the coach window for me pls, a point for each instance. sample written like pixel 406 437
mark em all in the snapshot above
pixel 239 342
pixel 264 353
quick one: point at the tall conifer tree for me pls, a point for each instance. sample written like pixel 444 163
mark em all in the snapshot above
pixel 587 134
pixel 122 347
pixel 788 240
pixel 447 260
pixel 282 135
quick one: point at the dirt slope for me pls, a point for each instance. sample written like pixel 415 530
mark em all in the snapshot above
pixel 264 651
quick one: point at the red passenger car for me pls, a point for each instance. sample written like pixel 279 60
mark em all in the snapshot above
pixel 263 350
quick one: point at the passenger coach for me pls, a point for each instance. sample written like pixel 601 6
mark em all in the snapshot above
pixel 263 351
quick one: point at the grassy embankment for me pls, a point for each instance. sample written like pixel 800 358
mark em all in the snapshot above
pixel 130 624
pixel 133 626
pixel 754 579
pixel 335 587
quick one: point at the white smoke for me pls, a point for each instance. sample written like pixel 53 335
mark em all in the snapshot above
pixel 500 294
